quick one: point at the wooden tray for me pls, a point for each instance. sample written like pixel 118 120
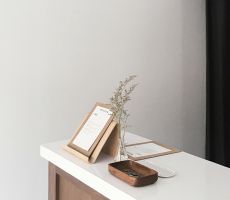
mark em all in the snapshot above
pixel 133 173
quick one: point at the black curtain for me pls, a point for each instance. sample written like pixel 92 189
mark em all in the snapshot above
pixel 218 81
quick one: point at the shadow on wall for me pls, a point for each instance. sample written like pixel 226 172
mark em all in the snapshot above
pixel 193 41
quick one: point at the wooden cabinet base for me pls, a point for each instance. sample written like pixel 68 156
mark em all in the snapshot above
pixel 63 186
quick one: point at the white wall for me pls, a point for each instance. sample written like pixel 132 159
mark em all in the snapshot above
pixel 57 58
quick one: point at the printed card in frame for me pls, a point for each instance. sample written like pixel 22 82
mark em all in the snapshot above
pixel 140 154
pixel 92 129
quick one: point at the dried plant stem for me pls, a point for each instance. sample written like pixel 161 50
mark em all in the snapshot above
pixel 120 97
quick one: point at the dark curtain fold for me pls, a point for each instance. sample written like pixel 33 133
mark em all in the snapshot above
pixel 218 81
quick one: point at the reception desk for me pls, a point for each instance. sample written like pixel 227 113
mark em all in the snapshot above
pixel 72 179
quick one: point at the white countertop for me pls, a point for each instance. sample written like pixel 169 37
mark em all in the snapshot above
pixel 196 179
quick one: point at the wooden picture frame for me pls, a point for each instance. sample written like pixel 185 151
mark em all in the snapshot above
pixel 95 143
pixel 171 150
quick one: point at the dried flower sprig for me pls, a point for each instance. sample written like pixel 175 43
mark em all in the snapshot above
pixel 120 97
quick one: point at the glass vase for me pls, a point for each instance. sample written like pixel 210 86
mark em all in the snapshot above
pixel 121 150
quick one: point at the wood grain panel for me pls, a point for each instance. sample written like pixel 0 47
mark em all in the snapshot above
pixel 52 182
pixel 63 186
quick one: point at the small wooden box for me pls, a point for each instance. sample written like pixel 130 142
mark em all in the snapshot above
pixel 133 173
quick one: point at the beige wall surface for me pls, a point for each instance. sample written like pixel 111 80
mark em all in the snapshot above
pixel 57 58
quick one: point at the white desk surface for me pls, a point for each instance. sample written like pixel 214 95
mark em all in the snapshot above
pixel 196 179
